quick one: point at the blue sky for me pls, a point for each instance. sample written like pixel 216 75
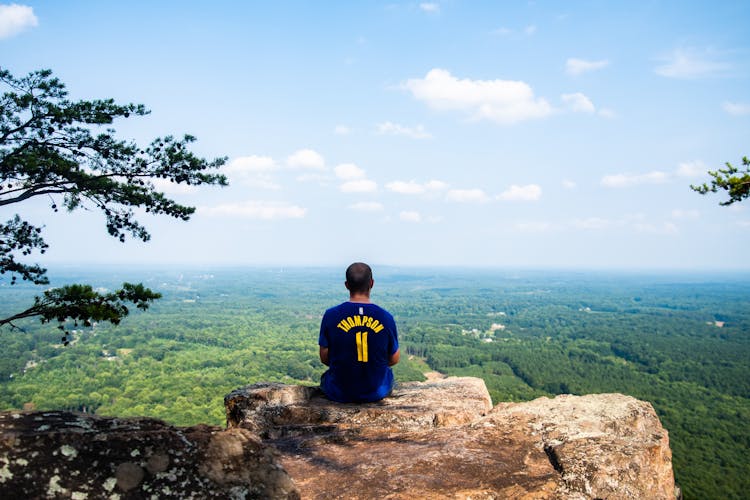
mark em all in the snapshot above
pixel 505 134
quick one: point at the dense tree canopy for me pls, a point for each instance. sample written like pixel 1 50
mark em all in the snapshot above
pixel 734 181
pixel 56 148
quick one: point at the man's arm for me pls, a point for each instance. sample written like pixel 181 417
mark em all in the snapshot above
pixel 392 361
pixel 324 355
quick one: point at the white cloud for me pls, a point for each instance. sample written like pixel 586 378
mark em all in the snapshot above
pixel 306 158
pixel 578 103
pixel 409 216
pixel 15 19
pixel 467 196
pixel 349 171
pixel 265 210
pixel 736 108
pixel 390 128
pixel 502 101
pixel 342 130
pixel 691 169
pixel 530 192
pixel 430 7
pixel 402 187
pixel 413 187
pixel 252 171
pixel 244 165
pixel 168 187
pixel 367 206
pixel 568 184
pixel 690 63
pixel 356 180
pixel 607 113
pixel 435 185
pixel 359 186
pixel 577 67
pixel 530 29
pixel 694 168
pixel 630 180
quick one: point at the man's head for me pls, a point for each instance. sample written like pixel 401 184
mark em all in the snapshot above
pixel 359 278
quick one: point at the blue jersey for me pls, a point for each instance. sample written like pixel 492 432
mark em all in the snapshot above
pixel 360 339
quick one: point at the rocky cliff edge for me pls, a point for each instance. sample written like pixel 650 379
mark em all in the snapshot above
pixel 435 439
pixel 443 439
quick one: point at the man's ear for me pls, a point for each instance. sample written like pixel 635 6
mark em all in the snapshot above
pixel 346 284
pixel 372 283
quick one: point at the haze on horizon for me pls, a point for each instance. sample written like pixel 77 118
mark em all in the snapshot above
pixel 534 134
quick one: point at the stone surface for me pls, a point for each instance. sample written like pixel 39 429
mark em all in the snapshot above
pixel 442 439
pixel 603 445
pixel 432 440
pixel 72 455
pixel 278 408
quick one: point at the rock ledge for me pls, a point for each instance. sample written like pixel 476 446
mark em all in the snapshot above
pixel 443 439
pixel 73 455
pixel 429 440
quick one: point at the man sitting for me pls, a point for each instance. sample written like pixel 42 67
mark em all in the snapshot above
pixel 359 343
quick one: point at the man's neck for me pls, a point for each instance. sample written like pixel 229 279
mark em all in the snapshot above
pixel 359 297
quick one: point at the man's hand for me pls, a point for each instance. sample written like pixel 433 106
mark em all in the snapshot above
pixel 394 358
pixel 324 355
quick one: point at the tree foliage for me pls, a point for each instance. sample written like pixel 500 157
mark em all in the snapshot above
pixel 58 149
pixel 84 305
pixel 734 181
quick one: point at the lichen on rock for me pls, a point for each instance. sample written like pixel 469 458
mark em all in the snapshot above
pixel 84 456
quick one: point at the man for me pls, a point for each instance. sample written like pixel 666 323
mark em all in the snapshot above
pixel 359 343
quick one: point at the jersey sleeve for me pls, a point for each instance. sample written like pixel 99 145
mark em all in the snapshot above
pixel 323 336
pixel 394 335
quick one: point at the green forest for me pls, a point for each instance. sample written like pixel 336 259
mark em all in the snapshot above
pixel 679 341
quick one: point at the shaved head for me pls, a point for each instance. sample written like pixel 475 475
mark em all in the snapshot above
pixel 359 278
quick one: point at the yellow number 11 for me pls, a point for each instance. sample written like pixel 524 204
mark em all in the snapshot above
pixel 362 347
